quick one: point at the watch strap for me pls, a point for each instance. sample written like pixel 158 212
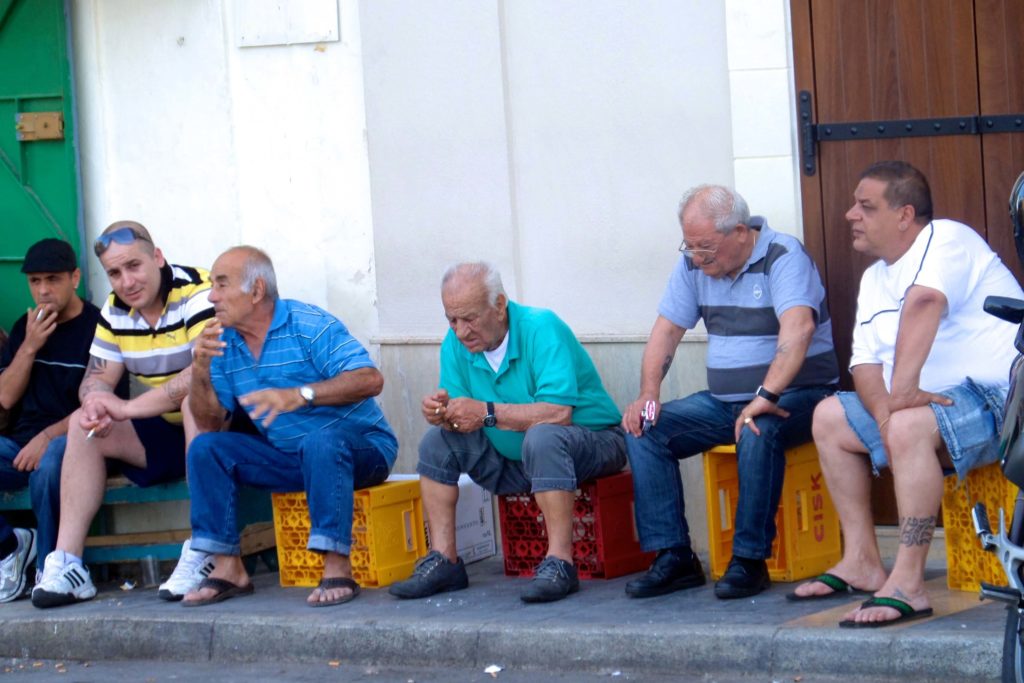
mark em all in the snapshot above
pixel 767 395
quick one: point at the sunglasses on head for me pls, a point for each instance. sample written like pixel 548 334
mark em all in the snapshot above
pixel 125 235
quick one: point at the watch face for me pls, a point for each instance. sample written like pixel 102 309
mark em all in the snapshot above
pixel 307 393
pixel 490 421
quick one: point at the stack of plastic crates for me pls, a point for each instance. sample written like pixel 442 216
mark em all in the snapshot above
pixel 967 565
pixel 604 536
pixel 807 541
pixel 387 535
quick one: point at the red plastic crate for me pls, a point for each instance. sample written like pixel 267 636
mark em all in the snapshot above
pixel 604 538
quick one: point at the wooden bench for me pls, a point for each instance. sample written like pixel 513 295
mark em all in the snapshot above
pixel 255 513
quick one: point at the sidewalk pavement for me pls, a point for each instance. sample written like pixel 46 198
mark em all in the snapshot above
pixel 598 629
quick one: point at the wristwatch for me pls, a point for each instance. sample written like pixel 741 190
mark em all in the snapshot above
pixel 489 419
pixel 767 395
pixel 308 394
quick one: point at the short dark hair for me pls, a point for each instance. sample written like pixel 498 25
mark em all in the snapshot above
pixel 905 185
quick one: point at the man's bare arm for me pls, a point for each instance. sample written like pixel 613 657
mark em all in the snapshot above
pixel 100 375
pixel 923 308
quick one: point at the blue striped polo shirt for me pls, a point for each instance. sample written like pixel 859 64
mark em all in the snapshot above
pixel 305 344
pixel 742 315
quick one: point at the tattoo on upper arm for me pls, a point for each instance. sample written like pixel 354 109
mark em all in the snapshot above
pixel 96 366
pixel 916 530
pixel 92 380
pixel 666 365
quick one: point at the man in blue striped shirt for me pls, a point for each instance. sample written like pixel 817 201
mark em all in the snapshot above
pixel 309 387
pixel 770 361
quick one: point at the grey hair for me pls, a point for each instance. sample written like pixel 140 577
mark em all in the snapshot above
pixel 258 266
pixel 725 207
pixel 477 270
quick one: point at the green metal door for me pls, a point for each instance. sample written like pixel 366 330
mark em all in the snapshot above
pixel 38 162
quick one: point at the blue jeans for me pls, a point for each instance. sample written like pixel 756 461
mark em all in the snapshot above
pixel 694 424
pixel 44 489
pixel 330 464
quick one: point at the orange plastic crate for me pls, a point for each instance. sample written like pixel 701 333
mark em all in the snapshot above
pixel 387 535
pixel 967 565
pixel 807 541
pixel 605 543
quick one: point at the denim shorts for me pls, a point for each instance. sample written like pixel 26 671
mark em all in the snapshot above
pixel 969 428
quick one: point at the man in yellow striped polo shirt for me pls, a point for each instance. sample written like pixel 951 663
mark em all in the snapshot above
pixel 147 327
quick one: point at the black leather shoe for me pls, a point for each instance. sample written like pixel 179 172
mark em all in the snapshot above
pixel 434 573
pixel 743 578
pixel 672 570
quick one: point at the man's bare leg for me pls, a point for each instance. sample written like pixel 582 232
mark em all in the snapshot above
pixel 557 507
pixel 847 470
pixel 83 478
pixel 913 444
pixel 439 505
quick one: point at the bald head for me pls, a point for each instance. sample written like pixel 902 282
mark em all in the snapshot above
pixel 142 235
pixel 255 265
pixel 479 273
pixel 721 205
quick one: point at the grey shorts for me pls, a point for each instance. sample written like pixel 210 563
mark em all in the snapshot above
pixel 969 428
pixel 555 458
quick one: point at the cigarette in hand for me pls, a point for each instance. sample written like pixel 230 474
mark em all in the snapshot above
pixel 91 433
pixel 40 314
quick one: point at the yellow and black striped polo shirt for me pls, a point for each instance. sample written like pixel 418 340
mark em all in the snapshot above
pixel 156 354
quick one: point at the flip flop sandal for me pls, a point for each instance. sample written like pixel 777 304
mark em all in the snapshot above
pixel 225 591
pixel 907 613
pixel 840 589
pixel 336 582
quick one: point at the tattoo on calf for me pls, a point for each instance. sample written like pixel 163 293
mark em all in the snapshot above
pixel 916 530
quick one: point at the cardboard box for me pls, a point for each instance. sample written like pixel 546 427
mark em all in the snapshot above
pixel 474 522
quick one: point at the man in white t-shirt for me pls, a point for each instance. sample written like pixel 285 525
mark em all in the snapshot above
pixel 930 369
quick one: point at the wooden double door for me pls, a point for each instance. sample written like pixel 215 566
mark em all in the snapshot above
pixel 868 69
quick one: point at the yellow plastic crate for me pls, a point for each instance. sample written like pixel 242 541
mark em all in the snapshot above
pixel 807 542
pixel 387 535
pixel 967 565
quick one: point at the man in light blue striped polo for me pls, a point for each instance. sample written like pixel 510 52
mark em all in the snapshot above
pixel 770 360
pixel 308 386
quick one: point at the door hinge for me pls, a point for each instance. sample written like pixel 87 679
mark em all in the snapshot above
pixel 812 133
pixel 39 125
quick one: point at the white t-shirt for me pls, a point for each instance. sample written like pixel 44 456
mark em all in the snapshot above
pixel 950 257
pixel 495 357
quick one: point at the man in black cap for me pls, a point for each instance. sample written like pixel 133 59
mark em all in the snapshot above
pixel 40 370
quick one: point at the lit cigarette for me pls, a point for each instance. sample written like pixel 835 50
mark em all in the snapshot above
pixel 39 315
pixel 90 434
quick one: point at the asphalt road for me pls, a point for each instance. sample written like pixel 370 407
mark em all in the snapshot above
pixel 37 671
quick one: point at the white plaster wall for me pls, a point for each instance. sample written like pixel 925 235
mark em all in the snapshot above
pixel 764 110
pixel 210 144
pixel 551 138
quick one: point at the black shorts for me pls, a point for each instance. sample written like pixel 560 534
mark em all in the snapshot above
pixel 165 452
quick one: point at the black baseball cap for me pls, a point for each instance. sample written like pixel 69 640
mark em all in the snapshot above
pixel 50 255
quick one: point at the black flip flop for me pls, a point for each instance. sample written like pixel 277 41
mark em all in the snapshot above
pixel 840 589
pixel 225 591
pixel 907 613
pixel 336 582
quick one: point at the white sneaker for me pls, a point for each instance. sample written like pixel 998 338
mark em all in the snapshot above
pixel 63 583
pixel 193 566
pixel 14 567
